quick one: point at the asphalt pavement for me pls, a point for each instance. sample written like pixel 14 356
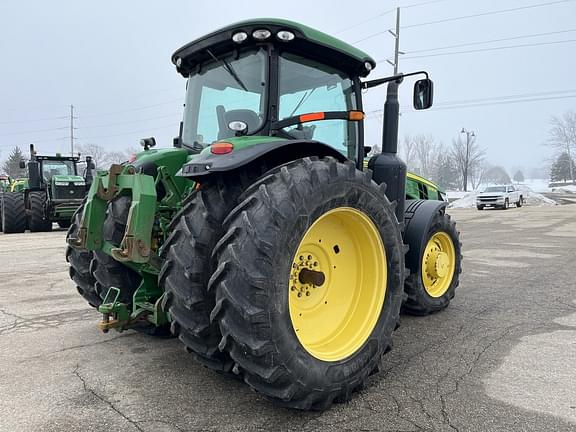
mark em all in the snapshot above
pixel 502 357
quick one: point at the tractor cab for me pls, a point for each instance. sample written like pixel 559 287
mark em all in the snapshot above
pixel 272 78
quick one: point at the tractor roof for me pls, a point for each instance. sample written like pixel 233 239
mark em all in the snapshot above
pixel 57 158
pixel 307 42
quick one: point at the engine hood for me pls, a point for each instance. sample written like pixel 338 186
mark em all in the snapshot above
pixel 67 178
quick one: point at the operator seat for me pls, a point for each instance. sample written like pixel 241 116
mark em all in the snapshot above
pixel 247 116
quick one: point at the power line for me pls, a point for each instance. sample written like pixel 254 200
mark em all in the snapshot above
pixel 358 24
pixel 169 102
pixel 130 122
pixel 33 131
pixel 487 49
pixel 497 100
pixel 496 12
pixel 365 21
pixel 173 125
pixel 491 41
pixel 34 120
pixel 421 4
pixel 482 14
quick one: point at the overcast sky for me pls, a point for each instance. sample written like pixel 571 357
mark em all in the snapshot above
pixel 111 60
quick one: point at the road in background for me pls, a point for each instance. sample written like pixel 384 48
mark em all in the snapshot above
pixel 501 357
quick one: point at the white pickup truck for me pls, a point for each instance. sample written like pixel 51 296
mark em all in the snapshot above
pixel 502 196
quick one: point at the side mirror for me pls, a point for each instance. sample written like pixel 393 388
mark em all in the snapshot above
pixel 22 164
pixel 423 94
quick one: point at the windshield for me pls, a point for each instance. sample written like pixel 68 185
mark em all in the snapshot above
pixel 495 189
pixel 307 86
pixel 51 168
pixel 226 89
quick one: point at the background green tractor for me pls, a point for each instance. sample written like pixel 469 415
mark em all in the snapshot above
pixel 260 239
pixel 52 192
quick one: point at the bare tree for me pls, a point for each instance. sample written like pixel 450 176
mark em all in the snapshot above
pixel 497 175
pixel 477 174
pixel 102 158
pixel 467 156
pixel 99 155
pixel 408 152
pixel 562 136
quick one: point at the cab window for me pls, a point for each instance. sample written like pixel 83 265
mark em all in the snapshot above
pixel 306 86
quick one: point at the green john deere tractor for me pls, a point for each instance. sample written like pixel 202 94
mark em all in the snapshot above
pixel 260 240
pixel 52 192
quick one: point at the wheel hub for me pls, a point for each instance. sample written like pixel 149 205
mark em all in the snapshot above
pixel 306 277
pixel 438 264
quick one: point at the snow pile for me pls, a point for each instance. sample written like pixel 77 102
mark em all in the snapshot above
pixel 466 201
pixel 565 189
pixel 537 199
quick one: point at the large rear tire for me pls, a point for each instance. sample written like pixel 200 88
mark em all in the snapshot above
pixel 37 221
pixel 431 288
pixel 188 265
pixel 309 282
pixel 13 213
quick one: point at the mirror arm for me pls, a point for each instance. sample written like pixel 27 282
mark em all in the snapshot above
pixel 398 78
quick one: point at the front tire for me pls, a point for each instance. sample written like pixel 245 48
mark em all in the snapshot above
pixel 506 204
pixel 431 287
pixel 309 282
pixel 13 213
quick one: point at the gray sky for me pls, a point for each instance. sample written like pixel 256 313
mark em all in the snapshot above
pixel 111 59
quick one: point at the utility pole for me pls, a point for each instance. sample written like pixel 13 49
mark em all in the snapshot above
pixel 72 130
pixel 396 35
pixel 469 136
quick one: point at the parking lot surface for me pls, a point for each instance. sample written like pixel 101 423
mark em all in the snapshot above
pixel 502 357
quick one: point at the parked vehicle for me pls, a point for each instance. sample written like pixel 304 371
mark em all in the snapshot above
pixel 52 192
pixel 500 196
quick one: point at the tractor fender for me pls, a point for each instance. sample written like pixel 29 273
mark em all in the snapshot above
pixel 276 152
pixel 417 219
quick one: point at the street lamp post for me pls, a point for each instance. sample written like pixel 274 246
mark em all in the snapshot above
pixel 469 136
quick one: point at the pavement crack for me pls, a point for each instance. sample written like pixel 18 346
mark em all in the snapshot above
pixel 104 400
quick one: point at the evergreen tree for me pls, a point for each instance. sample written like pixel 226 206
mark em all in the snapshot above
pixel 519 177
pixel 560 171
pixel 12 165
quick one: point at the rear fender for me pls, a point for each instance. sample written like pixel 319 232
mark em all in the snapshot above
pixel 275 152
pixel 417 222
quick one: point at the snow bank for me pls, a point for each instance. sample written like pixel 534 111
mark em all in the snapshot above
pixel 468 200
pixel 564 189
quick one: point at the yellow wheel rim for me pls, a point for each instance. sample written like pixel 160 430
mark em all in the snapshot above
pixel 337 284
pixel 438 264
